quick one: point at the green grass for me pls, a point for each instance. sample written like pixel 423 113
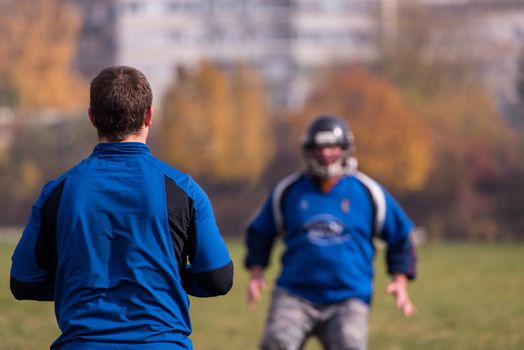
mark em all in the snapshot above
pixel 469 296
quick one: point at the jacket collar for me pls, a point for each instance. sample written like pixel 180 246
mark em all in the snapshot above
pixel 121 148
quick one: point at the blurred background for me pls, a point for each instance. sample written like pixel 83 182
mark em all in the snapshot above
pixel 433 90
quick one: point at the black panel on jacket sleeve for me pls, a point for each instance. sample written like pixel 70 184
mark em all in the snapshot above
pixel 210 283
pixel 41 291
pixel 181 222
pixel 45 251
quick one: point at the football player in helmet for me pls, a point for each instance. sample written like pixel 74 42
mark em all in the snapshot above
pixel 327 217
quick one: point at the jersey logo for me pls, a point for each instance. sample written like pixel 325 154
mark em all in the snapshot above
pixel 325 230
pixel 344 205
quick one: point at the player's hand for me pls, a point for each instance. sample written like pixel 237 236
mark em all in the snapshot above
pixel 255 286
pixel 398 288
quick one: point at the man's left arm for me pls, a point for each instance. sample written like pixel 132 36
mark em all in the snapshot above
pixel 398 288
pixel 210 269
pixel 400 254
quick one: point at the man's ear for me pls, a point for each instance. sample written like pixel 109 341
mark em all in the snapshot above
pixel 91 117
pixel 148 120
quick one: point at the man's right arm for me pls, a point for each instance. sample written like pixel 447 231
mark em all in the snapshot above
pixel 34 259
pixel 28 281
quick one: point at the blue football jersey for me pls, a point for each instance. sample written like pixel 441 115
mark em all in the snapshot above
pixel 328 237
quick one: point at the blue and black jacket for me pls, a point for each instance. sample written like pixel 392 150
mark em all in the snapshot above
pixel 118 242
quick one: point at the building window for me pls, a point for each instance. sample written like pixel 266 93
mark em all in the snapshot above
pixel 175 6
pixel 131 7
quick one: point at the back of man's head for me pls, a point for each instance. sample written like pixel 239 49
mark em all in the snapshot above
pixel 119 99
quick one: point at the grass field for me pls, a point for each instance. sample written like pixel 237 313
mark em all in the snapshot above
pixel 469 297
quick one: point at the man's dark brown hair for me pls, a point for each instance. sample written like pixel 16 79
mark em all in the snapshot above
pixel 119 99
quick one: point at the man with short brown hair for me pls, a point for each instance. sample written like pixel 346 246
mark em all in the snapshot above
pixel 121 239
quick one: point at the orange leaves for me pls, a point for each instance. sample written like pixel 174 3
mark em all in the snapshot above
pixel 216 126
pixel 37 47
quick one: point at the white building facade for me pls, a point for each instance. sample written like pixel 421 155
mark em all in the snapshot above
pixel 289 42
pixel 286 41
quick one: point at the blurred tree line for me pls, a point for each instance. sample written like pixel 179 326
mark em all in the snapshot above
pixel 473 189
pixel 39 92
pixel 36 51
pixel 426 128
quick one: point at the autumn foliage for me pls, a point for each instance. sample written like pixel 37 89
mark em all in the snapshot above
pixel 424 124
pixel 36 52
pixel 216 125
pixel 474 150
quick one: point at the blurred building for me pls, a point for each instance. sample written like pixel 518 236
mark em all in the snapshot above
pixel 288 42
pixel 98 42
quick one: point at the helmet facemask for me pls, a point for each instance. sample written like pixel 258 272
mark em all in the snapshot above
pixel 328 131
pixel 344 164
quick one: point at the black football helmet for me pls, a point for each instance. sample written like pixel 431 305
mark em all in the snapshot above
pixel 326 131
